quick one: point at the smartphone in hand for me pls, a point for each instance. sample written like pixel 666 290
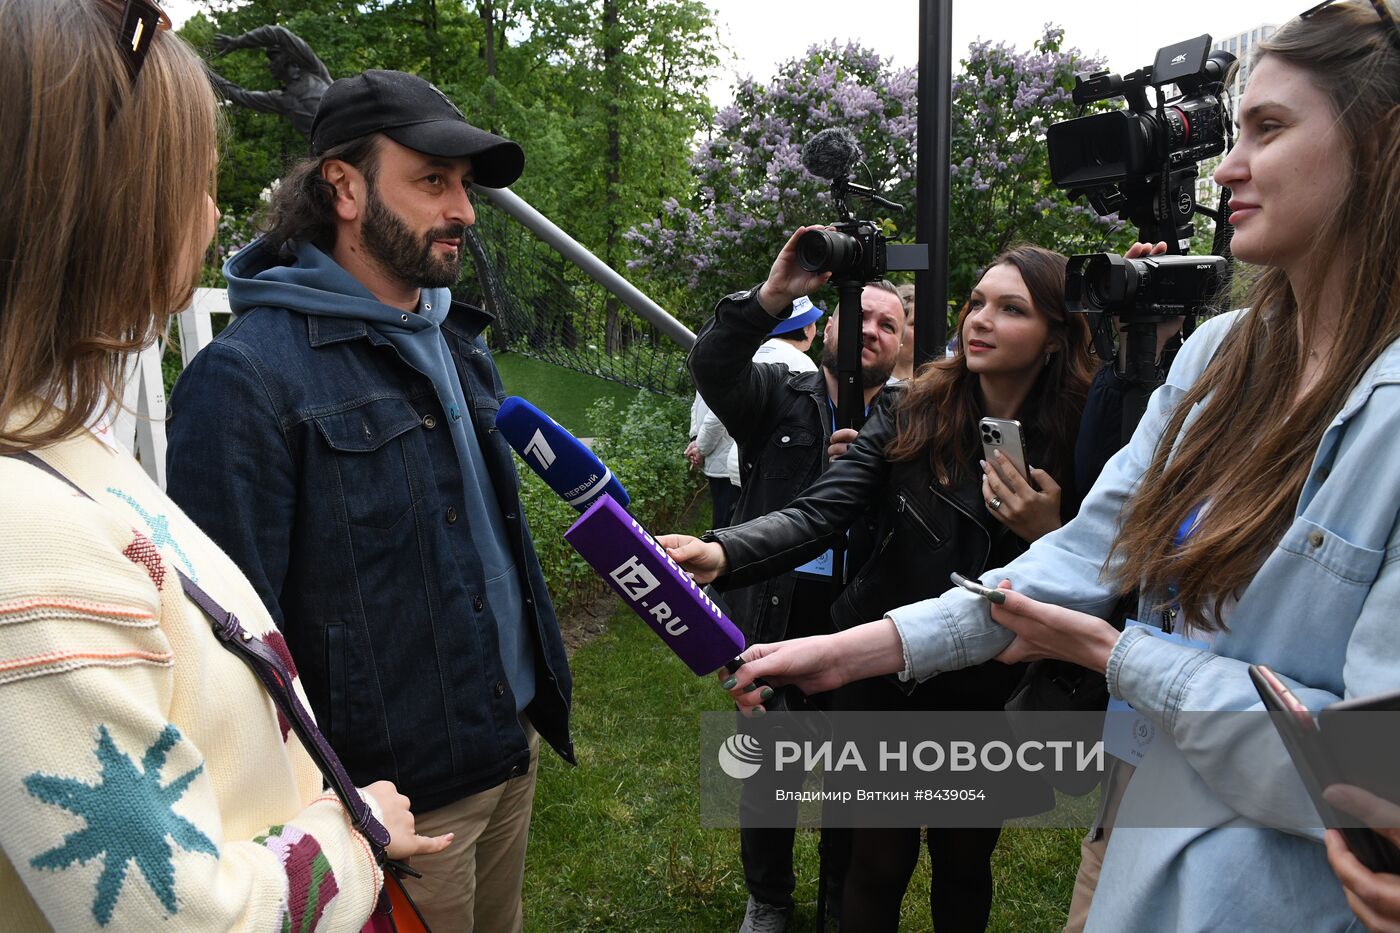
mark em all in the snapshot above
pixel 1346 743
pixel 972 586
pixel 1005 435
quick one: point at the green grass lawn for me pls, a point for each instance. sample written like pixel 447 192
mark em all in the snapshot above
pixel 561 393
pixel 616 843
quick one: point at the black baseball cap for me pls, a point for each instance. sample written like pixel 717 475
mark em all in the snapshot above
pixel 413 113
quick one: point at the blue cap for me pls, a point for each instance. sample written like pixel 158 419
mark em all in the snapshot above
pixel 803 313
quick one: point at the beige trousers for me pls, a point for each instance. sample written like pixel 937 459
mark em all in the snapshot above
pixel 1092 849
pixel 475 883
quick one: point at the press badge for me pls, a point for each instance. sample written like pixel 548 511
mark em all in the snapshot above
pixel 1126 734
pixel 822 567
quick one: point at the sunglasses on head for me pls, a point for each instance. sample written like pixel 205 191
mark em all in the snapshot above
pixel 141 20
pixel 1382 10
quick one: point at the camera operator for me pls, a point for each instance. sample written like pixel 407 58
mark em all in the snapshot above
pixel 916 467
pixel 904 363
pixel 782 420
pixel 1257 508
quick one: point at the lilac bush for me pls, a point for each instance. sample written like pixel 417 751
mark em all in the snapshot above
pixel 751 191
pixel 1000 188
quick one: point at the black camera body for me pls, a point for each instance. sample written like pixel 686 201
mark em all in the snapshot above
pixel 1142 290
pixel 854 251
pixel 1106 148
pixel 1141 162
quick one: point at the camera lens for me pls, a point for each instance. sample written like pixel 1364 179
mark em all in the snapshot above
pixel 1105 150
pixel 1099 291
pixel 1093 290
pixel 828 251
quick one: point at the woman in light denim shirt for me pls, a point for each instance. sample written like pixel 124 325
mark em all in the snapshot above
pixel 1283 421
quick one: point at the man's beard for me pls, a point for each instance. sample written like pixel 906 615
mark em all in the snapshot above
pixel 870 376
pixel 405 256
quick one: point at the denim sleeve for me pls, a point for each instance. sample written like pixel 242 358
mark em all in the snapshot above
pixel 229 466
pixel 1066 567
pixel 1196 696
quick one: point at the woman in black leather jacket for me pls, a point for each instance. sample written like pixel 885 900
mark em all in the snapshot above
pixel 917 464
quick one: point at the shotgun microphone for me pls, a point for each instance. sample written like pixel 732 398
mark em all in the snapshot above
pixel 831 153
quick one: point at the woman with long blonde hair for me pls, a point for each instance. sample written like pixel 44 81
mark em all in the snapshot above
pixel 1257 507
pixel 147 778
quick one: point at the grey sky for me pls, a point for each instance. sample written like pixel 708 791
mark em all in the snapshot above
pixel 765 32
pixel 762 33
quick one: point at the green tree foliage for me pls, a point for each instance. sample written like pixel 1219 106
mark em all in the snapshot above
pixel 604 95
pixel 639 69
pixel 1000 187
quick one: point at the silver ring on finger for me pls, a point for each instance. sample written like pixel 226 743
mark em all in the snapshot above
pixel 995 504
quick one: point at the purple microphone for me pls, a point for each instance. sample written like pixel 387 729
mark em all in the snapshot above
pixel 666 598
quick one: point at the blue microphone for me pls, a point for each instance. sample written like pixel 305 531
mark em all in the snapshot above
pixel 561 460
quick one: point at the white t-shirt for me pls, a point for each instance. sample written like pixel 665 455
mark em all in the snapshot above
pixel 777 350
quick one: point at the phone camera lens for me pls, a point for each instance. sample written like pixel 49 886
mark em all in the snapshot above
pixel 996 436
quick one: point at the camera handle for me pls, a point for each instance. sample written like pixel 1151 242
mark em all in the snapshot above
pixel 1138 362
pixel 850 398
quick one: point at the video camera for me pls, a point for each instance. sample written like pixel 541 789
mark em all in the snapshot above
pixel 1153 287
pixel 856 252
pixel 1141 162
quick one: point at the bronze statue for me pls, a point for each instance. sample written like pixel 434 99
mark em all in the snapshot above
pixel 304 76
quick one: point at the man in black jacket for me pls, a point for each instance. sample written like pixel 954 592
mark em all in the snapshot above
pixel 783 422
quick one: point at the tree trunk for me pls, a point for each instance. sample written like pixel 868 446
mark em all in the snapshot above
pixel 430 28
pixel 616 334
pixel 486 9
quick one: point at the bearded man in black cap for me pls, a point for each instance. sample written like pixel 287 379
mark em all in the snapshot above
pixel 338 440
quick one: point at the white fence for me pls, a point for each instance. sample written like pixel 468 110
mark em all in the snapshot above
pixel 139 425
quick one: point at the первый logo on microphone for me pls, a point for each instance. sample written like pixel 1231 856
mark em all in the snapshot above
pixel 740 756
pixel 541 450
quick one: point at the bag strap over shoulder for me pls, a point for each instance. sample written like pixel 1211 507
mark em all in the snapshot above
pixel 277 679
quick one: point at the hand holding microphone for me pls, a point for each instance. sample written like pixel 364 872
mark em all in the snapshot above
pixel 705 561
pixel 615 544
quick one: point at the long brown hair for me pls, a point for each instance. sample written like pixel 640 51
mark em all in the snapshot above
pixel 302 206
pixel 104 186
pixel 937 417
pixel 1253 488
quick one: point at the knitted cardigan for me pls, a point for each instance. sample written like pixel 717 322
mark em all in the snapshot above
pixel 146 779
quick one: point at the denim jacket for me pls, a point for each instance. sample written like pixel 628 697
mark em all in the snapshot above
pixel 1323 611
pixel 320 461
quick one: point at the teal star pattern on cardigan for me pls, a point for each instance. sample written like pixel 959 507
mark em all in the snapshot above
pixel 129 819
pixel 160 529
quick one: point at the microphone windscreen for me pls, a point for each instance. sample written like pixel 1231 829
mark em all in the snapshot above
pixel 654 587
pixel 831 153
pixel 563 461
